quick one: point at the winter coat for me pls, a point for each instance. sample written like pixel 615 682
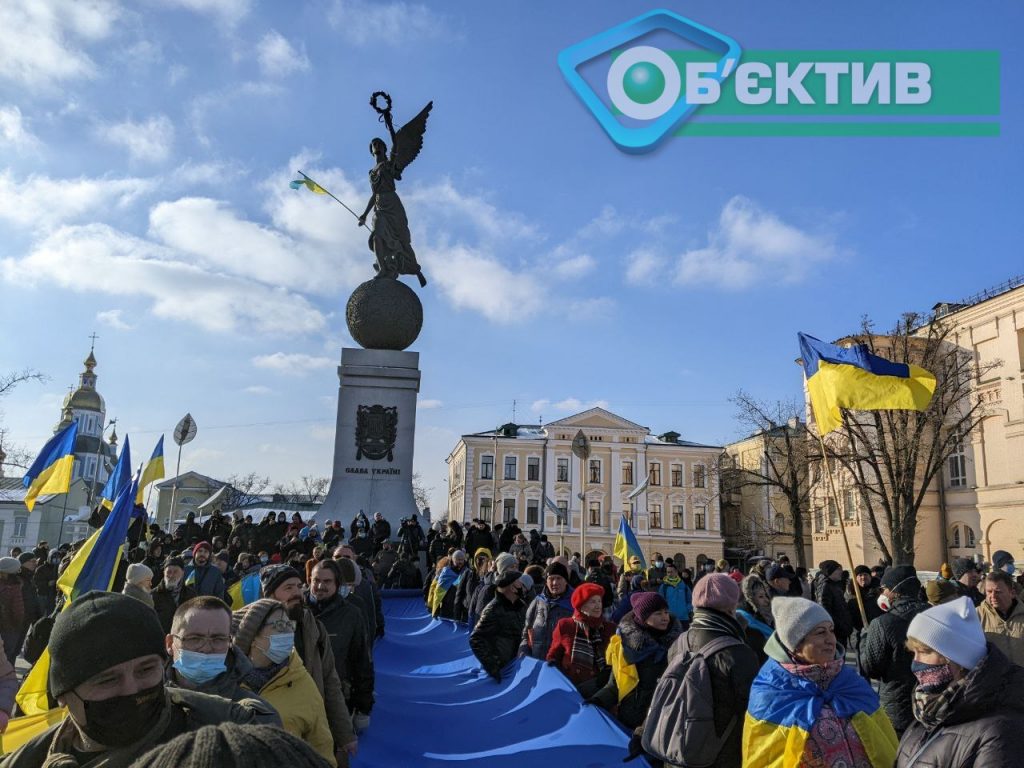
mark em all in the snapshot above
pixel 207 580
pixel 352 652
pixel 522 552
pixel 757 630
pixel 482 595
pixel 131 590
pixel 12 609
pixel 166 602
pixel 227 684
pixel 383 563
pixel 495 638
pixel 586 679
pixel 217 526
pixel 8 683
pixel 962 590
pixel 637 656
pixel 370 594
pixel 884 656
pixel 870 597
pixel 679 599
pixel 313 643
pixel 479 538
pixel 508 537
pixel 985 728
pixel 1005 634
pixel 829 594
pixel 380 532
pixel 544 551
pixel 464 594
pixel 541 616
pixel 294 695
pixel 605 583
pixel 732 670
pixel 403 575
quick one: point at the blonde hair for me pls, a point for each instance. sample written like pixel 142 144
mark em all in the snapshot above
pixel 916 646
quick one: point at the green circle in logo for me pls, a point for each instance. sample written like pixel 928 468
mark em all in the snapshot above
pixel 644 82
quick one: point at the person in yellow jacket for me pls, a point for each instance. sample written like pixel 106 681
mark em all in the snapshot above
pixel 263 631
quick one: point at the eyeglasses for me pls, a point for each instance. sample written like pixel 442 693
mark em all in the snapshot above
pixel 199 642
pixel 281 625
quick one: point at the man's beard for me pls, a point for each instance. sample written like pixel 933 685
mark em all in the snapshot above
pixel 295 611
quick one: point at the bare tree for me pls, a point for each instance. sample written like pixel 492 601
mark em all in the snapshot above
pixel 244 489
pixel 420 493
pixel 308 488
pixel 14 455
pixel 785 462
pixel 894 456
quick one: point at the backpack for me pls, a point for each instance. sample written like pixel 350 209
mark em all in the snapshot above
pixel 38 637
pixel 680 725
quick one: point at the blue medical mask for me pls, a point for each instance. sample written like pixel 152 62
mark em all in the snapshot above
pixel 280 648
pixel 344 590
pixel 200 668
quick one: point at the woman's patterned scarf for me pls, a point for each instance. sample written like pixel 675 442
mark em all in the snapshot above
pixel 588 643
pixel 935 701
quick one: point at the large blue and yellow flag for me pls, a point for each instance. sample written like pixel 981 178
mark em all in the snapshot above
pixel 839 377
pixel 93 567
pixel 121 476
pixel 626 545
pixel 51 471
pixel 154 469
pixel 244 591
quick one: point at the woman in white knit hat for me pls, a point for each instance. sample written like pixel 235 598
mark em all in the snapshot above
pixel 967 705
pixel 138 583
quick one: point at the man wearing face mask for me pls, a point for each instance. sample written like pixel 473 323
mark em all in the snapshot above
pixel 171 592
pixel 656 573
pixel 313 644
pixel 202 658
pixel 883 650
pixel 107 667
pixel 328 600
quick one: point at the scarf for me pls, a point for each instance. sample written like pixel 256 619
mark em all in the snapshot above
pixel 588 643
pixel 935 698
pixel 833 741
pixel 257 678
pixel 672 580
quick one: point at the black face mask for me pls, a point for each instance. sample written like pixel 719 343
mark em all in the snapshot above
pixel 122 720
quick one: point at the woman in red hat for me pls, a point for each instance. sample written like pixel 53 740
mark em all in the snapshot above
pixel 579 642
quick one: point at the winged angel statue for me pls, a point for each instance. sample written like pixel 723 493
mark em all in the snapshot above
pixel 390 240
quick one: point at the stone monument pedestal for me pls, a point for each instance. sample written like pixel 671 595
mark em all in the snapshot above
pixel 373 441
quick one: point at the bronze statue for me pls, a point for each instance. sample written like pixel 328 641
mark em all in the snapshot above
pixel 390 240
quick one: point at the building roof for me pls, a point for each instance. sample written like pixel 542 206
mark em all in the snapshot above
pixel 598 418
pixel 189 477
pixel 12 491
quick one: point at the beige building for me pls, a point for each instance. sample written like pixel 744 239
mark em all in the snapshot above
pixel 506 474
pixel 977 507
pixel 756 518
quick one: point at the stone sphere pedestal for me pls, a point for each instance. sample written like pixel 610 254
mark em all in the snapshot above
pixel 384 314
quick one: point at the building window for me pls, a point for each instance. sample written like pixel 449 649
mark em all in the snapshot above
pixel 627 510
pixel 833 514
pixel 533 468
pixel 595 471
pixel 956 537
pixel 595 513
pixel 627 473
pixel 20 527
pixel 655 515
pixel 700 518
pixel 780 523
pixel 699 476
pixel 509 512
pixel 532 512
pixel 677 516
pixel 510 467
pixel 487 468
pixel 655 473
pixel 677 475
pixel 563 471
pixel 956 466
pixel 819 520
pixel 563 509
pixel 969 536
pixel 849 508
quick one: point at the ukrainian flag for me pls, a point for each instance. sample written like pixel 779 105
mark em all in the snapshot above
pixel 51 471
pixel 839 377
pixel 445 580
pixel 121 476
pixel 93 567
pixel 244 591
pixel 154 469
pixel 784 707
pixel 309 184
pixel 626 545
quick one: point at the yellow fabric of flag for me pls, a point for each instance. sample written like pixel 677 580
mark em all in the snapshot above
pixel 22 729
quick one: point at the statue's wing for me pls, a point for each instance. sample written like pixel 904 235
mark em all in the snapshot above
pixel 409 139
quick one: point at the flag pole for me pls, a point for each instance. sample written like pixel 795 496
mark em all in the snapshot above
pixel 328 192
pixel 174 493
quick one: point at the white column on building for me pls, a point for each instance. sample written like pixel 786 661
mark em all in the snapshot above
pixel 613 480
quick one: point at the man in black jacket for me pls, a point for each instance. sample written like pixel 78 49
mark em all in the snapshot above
pixel 829 594
pixel 205 577
pixel 380 531
pixel 171 592
pixel 967 576
pixel 883 652
pixel 479 537
pixel 495 638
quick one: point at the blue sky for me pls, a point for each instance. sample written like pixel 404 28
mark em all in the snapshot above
pixel 145 155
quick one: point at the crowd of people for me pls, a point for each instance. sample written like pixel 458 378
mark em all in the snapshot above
pixel 234 632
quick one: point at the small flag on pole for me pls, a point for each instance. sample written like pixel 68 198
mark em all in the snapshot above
pixel 51 471
pixel 559 512
pixel 309 184
pixel 154 469
pixel 640 488
pixel 121 475
pixel 626 545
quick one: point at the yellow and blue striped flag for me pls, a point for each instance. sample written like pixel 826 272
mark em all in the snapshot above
pixel 839 377
pixel 51 471
pixel 626 545
pixel 244 591
pixel 121 476
pixel 154 469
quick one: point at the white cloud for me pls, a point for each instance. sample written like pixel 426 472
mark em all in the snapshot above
pixel 292 364
pixel 385 23
pixel 258 389
pixel 277 57
pixel 589 310
pixel 606 224
pixel 191 174
pixel 13 130
pixel 148 141
pixel 40 40
pixel 323 432
pixel 441 203
pixel 644 267
pixel 39 202
pixel 428 404
pixel 98 259
pixel 568 405
pixel 228 11
pixel 114 319
pixel 751 245
pixel 574 267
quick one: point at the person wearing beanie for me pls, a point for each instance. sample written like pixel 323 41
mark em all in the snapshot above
pixel 638 654
pixel 486 589
pixel 1002 616
pixel 107 668
pixel 828 591
pixel 807 706
pixel 551 605
pixel 967 705
pixel 579 641
pixel 677 594
pixel 1003 561
pixel 480 566
pixel 444 588
pixel 264 632
pixel 495 638
pixel 939 591
pixel 203 575
pixel 756 611
pixel 230 746
pixel 171 592
pixel 966 578
pixel 138 583
pixel 870 590
pixel 883 654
